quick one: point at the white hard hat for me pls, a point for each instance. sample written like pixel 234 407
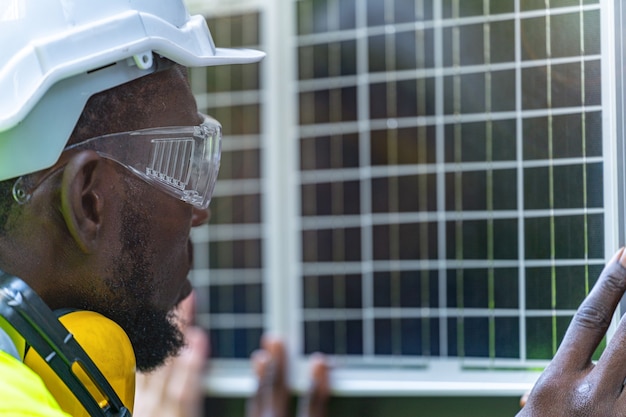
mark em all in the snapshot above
pixel 55 54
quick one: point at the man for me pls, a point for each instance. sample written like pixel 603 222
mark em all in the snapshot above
pixel 87 229
pixel 95 210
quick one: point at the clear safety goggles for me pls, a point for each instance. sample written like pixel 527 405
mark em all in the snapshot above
pixel 181 161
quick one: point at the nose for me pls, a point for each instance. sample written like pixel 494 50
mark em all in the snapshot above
pixel 200 216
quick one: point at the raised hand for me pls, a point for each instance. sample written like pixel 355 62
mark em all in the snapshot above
pixel 572 385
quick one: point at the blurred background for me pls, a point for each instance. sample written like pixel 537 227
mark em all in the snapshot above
pixel 424 190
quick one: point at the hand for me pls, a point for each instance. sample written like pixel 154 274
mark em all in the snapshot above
pixel 571 385
pixel 314 403
pixel 175 389
pixel 272 396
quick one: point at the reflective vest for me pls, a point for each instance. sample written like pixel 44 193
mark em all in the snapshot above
pixel 23 393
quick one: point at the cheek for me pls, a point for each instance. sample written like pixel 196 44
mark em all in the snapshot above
pixel 170 224
pixel 168 237
pixel 170 257
pixel 155 236
pixel 175 227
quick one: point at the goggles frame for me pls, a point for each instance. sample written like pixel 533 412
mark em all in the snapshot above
pixel 182 161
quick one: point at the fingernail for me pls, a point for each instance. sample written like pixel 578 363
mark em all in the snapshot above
pixel 621 256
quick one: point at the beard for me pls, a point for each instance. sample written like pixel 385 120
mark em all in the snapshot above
pixel 153 332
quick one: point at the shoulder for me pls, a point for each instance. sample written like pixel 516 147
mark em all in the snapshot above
pixel 22 392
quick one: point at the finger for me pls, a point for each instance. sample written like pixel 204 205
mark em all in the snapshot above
pixel 186 310
pixel 276 349
pixel 150 389
pixel 260 360
pixel 155 381
pixel 186 380
pixel 197 348
pixel 314 403
pixel 593 317
pixel 271 398
pixel 611 367
pixel 175 389
pixel 524 399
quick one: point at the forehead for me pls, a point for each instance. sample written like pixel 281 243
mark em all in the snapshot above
pixel 170 102
pixel 157 100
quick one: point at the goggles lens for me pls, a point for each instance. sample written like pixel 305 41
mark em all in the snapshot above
pixel 181 161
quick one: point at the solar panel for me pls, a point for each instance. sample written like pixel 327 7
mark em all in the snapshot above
pixel 449 199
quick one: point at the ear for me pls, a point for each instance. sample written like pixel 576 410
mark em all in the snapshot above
pixel 82 198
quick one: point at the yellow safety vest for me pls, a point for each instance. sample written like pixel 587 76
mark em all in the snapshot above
pixel 23 393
